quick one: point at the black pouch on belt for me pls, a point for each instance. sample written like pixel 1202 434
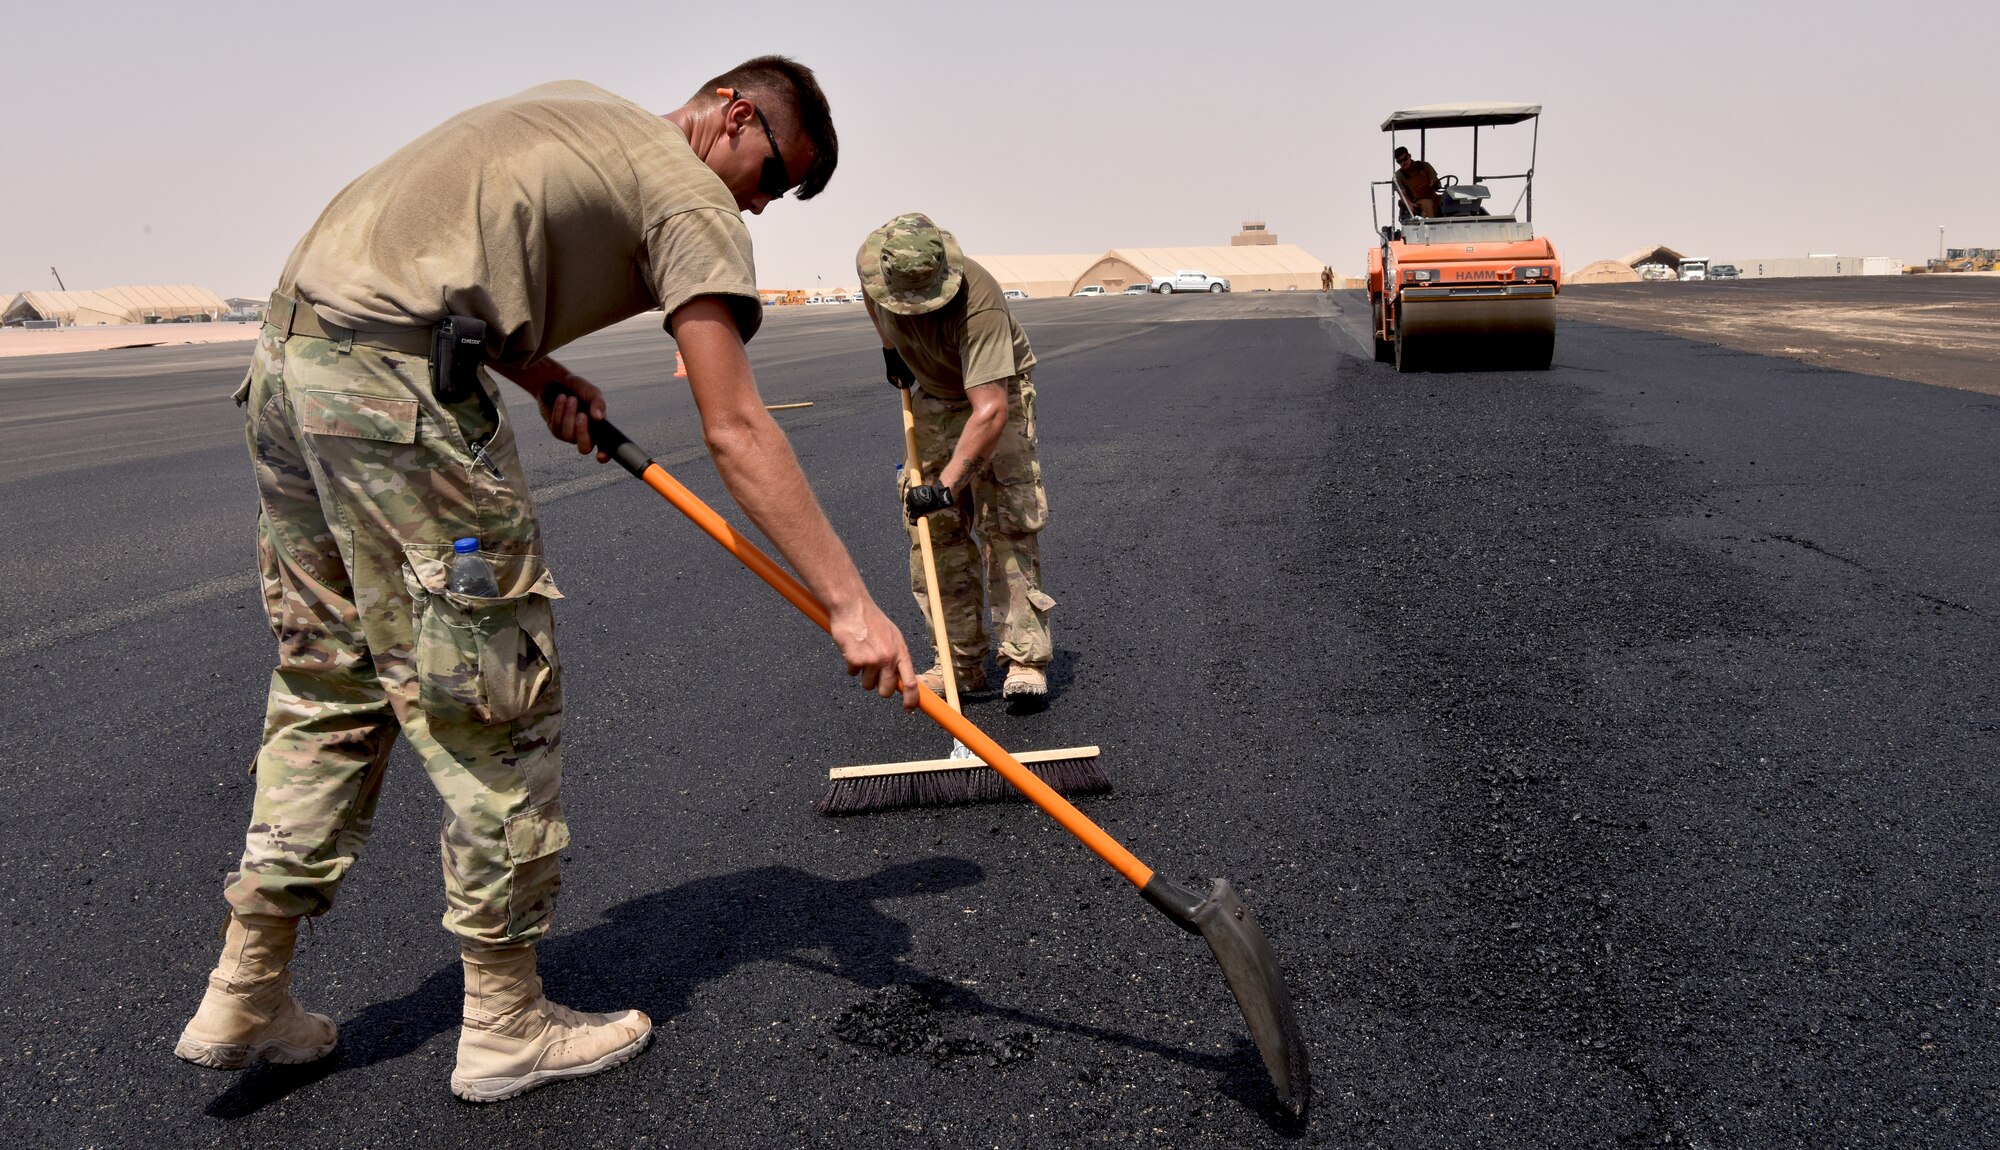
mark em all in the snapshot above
pixel 458 350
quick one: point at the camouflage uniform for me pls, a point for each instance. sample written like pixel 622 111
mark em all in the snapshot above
pixel 1008 509
pixel 945 315
pixel 364 480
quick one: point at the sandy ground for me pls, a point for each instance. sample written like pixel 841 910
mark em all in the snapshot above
pixel 1942 330
pixel 104 337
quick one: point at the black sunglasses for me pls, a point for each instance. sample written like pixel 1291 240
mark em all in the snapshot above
pixel 774 181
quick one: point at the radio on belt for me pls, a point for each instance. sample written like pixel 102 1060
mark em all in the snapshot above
pixel 458 350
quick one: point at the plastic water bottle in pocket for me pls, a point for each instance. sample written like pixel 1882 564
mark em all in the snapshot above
pixel 471 574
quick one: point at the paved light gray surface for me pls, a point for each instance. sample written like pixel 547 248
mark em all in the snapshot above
pixel 1608 754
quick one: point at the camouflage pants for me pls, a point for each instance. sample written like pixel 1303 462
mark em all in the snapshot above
pixel 997 561
pixel 364 479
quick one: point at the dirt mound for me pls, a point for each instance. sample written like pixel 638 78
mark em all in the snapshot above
pixel 1603 272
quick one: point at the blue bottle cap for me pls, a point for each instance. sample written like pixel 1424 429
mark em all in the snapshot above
pixel 465 546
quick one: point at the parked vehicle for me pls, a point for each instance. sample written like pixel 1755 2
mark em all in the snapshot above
pixel 1189 280
pixel 1693 270
pixel 1655 272
pixel 1723 272
pixel 1013 293
pixel 1137 289
pixel 1089 289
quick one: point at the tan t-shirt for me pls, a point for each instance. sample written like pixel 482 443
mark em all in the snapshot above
pixel 967 342
pixel 548 214
pixel 1419 182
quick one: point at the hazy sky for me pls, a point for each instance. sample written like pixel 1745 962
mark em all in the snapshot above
pixel 185 143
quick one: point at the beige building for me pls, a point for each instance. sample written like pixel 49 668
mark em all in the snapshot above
pixel 147 304
pixel 1774 267
pixel 1039 276
pixel 1261 267
pixel 1752 267
pixel 1253 235
pixel 1255 266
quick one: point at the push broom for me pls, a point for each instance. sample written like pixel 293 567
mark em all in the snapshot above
pixel 1222 920
pixel 961 777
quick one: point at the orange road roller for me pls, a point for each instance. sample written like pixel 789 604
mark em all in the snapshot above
pixel 1455 283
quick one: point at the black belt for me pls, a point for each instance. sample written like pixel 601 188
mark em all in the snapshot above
pixel 296 317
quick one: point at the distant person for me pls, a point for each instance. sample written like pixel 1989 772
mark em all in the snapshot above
pixel 948 337
pixel 543 216
pixel 1418 182
pixel 1326 279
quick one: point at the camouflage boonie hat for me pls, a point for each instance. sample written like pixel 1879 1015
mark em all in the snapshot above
pixel 910 266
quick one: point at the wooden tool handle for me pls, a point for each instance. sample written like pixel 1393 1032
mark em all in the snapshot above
pixel 914 466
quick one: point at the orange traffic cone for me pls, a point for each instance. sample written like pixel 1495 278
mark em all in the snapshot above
pixel 680 367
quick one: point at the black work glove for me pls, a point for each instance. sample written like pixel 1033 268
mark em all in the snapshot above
pixel 921 501
pixel 900 375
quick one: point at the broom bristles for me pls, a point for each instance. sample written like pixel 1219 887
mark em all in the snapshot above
pixel 977 783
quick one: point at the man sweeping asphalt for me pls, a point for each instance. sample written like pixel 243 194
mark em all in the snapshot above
pixel 402 563
pixel 946 332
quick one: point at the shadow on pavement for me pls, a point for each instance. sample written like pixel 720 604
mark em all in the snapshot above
pixel 1240 1073
pixel 656 951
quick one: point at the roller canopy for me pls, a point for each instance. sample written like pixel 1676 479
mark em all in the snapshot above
pixel 1477 114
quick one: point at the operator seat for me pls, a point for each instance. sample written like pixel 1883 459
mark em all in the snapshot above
pixel 1463 199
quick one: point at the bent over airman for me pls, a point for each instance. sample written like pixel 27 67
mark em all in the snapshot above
pixel 403 566
pixel 948 337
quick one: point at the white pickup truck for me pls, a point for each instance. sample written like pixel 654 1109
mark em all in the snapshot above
pixel 1189 280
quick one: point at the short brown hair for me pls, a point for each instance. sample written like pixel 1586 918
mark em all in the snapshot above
pixel 790 96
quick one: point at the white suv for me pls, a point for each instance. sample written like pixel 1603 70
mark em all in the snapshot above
pixel 1189 280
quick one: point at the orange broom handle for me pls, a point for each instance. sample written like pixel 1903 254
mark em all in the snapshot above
pixel 753 557
pixel 961 728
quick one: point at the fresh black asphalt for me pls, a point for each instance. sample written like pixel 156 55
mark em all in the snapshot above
pixel 1608 754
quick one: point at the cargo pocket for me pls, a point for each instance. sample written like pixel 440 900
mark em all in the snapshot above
pixel 487 660
pixel 536 839
pixel 537 832
pixel 356 415
pixel 1020 506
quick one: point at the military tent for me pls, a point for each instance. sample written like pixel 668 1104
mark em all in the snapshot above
pixel 1039 276
pixel 143 304
pixel 1272 267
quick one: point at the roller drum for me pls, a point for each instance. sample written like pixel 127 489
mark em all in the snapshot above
pixel 1475 334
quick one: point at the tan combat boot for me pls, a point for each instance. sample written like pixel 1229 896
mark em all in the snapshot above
pixel 248 1011
pixel 969 679
pixel 1024 682
pixel 514 1040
